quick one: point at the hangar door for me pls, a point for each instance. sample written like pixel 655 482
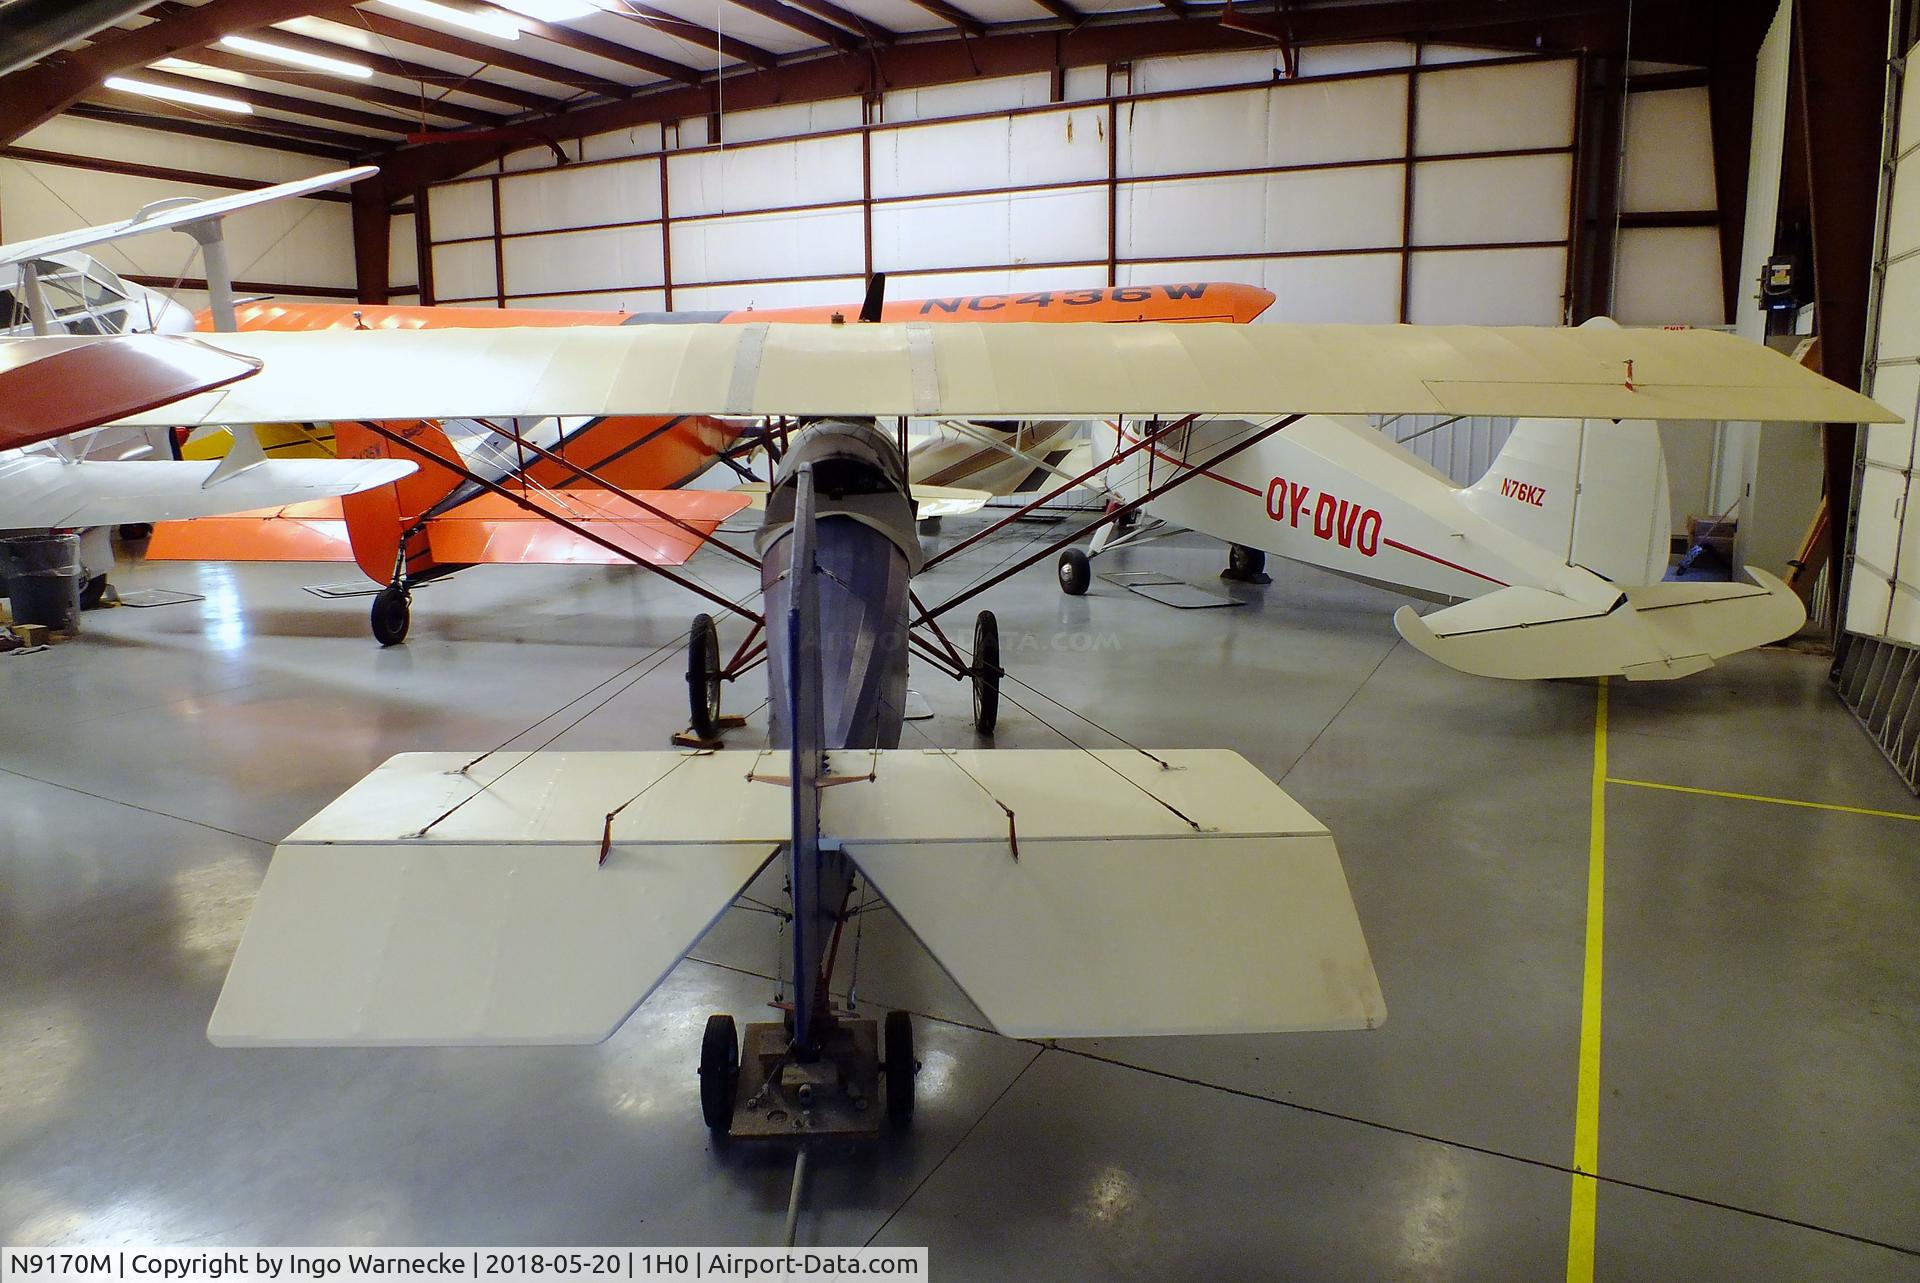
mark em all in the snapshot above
pixel 1877 669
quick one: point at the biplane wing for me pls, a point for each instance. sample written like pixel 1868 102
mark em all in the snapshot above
pixel 432 905
pixel 1016 371
pixel 486 530
pixel 47 393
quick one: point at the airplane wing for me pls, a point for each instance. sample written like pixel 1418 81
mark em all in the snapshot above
pixel 1016 371
pixel 487 530
pixel 173 216
pixel 1109 914
pixel 1651 633
pixel 42 493
pixel 47 393
pixel 928 501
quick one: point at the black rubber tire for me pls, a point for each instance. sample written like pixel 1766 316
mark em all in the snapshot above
pixel 986 672
pixel 899 1066
pixel 93 592
pixel 1244 563
pixel 719 1072
pixel 1076 572
pixel 391 616
pixel 136 531
pixel 703 677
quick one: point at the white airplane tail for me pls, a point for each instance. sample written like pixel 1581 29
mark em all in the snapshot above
pixel 1593 493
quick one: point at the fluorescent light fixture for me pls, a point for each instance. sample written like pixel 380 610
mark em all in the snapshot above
pixel 498 25
pixel 190 97
pixel 553 10
pixel 295 57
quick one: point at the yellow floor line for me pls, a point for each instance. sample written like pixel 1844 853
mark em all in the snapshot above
pixel 1761 797
pixel 1586 1117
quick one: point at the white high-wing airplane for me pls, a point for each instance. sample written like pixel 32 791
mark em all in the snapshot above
pixel 1556 555
pixel 50 287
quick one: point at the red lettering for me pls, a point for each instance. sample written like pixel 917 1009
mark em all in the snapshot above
pixel 1370 532
pixel 1324 509
pixel 1277 490
pixel 1298 494
pixel 1349 516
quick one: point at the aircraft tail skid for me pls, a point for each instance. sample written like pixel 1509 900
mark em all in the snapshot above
pixel 502 903
pixel 1650 633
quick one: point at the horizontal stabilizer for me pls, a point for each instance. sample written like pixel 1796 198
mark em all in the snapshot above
pixel 1096 910
pixel 1651 633
pixel 298 532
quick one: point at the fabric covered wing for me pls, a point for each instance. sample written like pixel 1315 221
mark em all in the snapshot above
pixel 39 493
pixel 298 532
pixel 50 392
pixel 491 529
pixel 1014 371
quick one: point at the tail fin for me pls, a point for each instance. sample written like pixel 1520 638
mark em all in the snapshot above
pixel 1594 492
pixel 377 518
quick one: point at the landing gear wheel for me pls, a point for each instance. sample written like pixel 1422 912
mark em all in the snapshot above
pixel 1076 572
pixel 136 531
pixel 392 615
pixel 1248 565
pixel 899 1066
pixel 719 1073
pixel 703 677
pixel 93 593
pixel 986 672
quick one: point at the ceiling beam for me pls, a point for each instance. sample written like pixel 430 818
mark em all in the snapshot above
pixel 506 59
pixel 611 50
pixel 465 82
pixel 693 33
pixel 35 28
pixel 1063 11
pixel 43 91
pixel 416 104
pixel 954 17
pixel 872 31
pixel 802 21
pixel 262 100
pixel 259 131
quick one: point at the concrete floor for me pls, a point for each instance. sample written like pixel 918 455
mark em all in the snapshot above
pixel 1760 1082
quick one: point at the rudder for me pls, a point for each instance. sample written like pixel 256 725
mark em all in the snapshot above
pixel 377 518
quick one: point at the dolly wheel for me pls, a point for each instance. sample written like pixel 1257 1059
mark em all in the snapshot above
pixel 986 672
pixel 1245 564
pixel 1076 572
pixel 392 615
pixel 703 677
pixel 719 1072
pixel 900 1067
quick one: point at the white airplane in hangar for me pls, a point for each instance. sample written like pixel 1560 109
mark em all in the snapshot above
pixel 53 479
pixel 1551 565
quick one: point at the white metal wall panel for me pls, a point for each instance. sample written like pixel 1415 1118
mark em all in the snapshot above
pixel 1668 276
pixel 1669 152
pixel 967 97
pixel 1503 108
pixel 74 136
pixel 695 298
pixel 1042 147
pixel 1502 198
pixel 1305 124
pixel 580 197
pixel 1487 287
pixel 462 209
pixel 1338 209
pixel 1028 280
pixel 464 271
pixel 762 247
pixel 790 119
pixel 616 257
pixel 606 301
pixel 1883 585
pixel 297 242
pixel 403 254
pixel 983 231
pixel 1357 288
pixel 765 176
pixel 639 140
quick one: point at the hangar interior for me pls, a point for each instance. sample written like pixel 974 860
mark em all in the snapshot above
pixel 1646 946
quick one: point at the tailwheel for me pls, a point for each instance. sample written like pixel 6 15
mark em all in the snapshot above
pixel 703 677
pixel 986 672
pixel 392 615
pixel 1076 572
pixel 900 1067
pixel 719 1073
pixel 1247 565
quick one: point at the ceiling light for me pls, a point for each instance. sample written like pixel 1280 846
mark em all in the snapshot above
pixel 553 10
pixel 295 57
pixel 498 25
pixel 191 97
